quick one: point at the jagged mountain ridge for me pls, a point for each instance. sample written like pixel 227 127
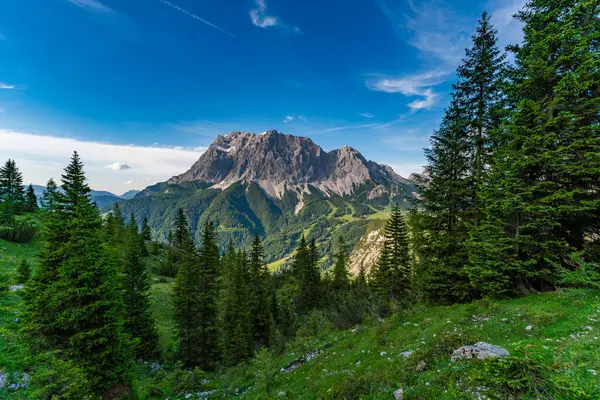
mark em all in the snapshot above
pixel 278 186
pixel 279 162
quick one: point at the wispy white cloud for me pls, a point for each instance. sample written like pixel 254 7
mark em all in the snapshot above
pixel 290 118
pixel 418 85
pixel 118 166
pixel 259 18
pixel 196 17
pixel 91 5
pixel 6 86
pixel 45 156
pixel 367 115
pixel 129 182
pixel 345 127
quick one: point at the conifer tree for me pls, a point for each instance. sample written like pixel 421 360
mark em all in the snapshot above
pixel 340 266
pixel 195 300
pixel 543 200
pixel 74 304
pixel 259 294
pixel 392 275
pixel 49 198
pixel 24 271
pixel 443 211
pixel 186 300
pixel 180 229
pixel 11 187
pixel 136 284
pixel 146 230
pixel 306 270
pixel 236 324
pixel 31 202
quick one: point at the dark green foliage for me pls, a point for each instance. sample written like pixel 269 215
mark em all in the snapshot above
pixel 543 201
pixel 146 230
pixel 340 280
pixel 195 301
pixel 236 323
pixel 259 295
pixel 30 199
pixel 74 303
pixel 138 321
pixel 17 231
pixel 306 270
pixel 391 276
pixel 50 196
pixel 24 272
pixel 55 377
pixel 11 189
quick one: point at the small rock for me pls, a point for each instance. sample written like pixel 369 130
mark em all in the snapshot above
pixel 14 288
pixel 155 367
pixel 407 354
pixel 421 366
pixel 281 394
pixel 479 350
pixel 399 394
pixel 383 353
pixel 529 327
pixel 593 372
pixel 3 380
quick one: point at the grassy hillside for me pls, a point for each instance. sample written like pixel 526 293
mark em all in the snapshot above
pixel 557 358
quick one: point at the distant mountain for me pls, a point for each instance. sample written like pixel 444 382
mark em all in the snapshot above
pixel 130 194
pixel 278 186
pixel 101 197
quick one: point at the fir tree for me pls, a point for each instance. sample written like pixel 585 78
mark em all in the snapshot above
pixel 49 198
pixel 74 304
pixel 181 231
pixel 392 276
pixel 340 266
pixel 138 320
pixel 11 187
pixel 443 211
pixel 306 270
pixel 31 202
pixel 259 294
pixel 146 230
pixel 236 324
pixel 24 271
pixel 543 201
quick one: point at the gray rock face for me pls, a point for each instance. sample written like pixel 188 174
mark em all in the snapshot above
pixel 279 162
pixel 479 350
pixel 399 394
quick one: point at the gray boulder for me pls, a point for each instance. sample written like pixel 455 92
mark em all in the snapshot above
pixel 399 394
pixel 480 351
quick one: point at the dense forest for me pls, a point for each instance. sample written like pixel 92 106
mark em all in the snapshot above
pixel 509 205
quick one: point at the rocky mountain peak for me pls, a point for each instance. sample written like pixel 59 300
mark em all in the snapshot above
pixel 279 162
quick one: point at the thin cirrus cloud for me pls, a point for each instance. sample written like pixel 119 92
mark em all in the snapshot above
pixel 196 17
pixel 91 5
pixel 260 18
pixel 6 86
pixel 367 115
pixel 291 118
pixel 440 36
pixel 418 85
pixel 46 156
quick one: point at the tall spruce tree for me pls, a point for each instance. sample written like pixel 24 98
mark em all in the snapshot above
pixel 136 284
pixel 391 276
pixel 236 324
pixel 146 230
pixel 306 270
pixel 31 201
pixel 11 188
pixel 260 296
pixel 340 266
pixel 74 304
pixel 49 197
pixel 186 299
pixel 543 201
pixel 443 211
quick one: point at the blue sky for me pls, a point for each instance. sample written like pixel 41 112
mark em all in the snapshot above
pixel 147 84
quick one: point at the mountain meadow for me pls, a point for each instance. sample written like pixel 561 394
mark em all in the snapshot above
pixel 275 269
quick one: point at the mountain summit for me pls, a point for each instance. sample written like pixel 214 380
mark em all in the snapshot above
pixel 279 162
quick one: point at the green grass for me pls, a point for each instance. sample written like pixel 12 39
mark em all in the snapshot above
pixel 560 353
pixel 365 362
